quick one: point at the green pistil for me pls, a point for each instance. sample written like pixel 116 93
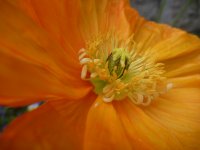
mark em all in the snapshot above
pixel 118 62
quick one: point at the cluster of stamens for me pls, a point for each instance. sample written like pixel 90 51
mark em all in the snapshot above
pixel 119 69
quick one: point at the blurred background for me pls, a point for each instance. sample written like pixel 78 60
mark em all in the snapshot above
pixel 184 14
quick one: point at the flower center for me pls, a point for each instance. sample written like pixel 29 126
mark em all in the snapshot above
pixel 118 62
pixel 118 69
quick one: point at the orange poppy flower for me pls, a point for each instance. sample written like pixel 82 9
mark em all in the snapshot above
pixel 109 78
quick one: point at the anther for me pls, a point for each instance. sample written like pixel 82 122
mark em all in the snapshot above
pixel 85 60
pixel 96 60
pixel 140 98
pixel 93 75
pixel 82 55
pixel 81 51
pixel 147 102
pixel 108 99
pixel 107 88
pixel 134 99
pixel 84 72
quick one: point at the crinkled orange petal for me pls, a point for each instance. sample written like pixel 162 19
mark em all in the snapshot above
pixel 59 18
pixel 65 20
pixel 33 65
pixel 56 125
pixel 99 17
pixel 105 131
pixel 178 50
pixel 188 64
pixel 178 111
pixel 180 116
pixel 137 124
pixel 164 41
pixel 21 37
pixel 185 81
pixel 23 83
pixel 103 128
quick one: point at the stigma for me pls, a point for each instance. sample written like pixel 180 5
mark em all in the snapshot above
pixel 119 69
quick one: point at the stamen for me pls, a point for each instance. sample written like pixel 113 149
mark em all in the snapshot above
pixel 85 60
pixel 140 98
pixel 82 55
pixel 84 72
pixel 120 69
pixel 108 99
pixel 96 60
pixel 93 75
pixel 147 102
pixel 81 51
pixel 107 88
pixel 134 99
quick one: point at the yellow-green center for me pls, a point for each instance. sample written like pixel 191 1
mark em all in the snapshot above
pixel 118 62
pixel 118 69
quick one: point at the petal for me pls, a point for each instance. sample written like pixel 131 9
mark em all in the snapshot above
pixel 180 116
pixel 21 37
pixel 133 18
pixel 177 45
pixel 192 81
pixel 189 94
pixel 178 50
pixel 60 19
pixel 55 125
pixel 179 111
pixel 186 65
pixel 105 131
pixel 65 20
pixel 104 16
pixel 33 66
pixel 23 83
pixel 164 41
pixel 140 126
